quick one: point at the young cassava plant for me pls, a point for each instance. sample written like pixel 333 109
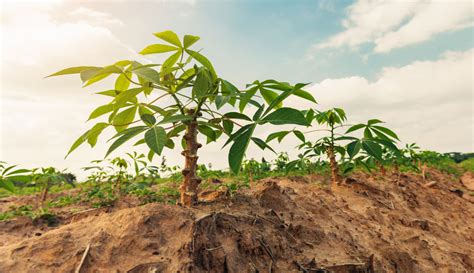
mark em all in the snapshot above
pixel 180 99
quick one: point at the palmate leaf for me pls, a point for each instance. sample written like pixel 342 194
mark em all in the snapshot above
pixel 94 133
pixel 386 131
pixel 123 83
pixel 156 139
pixel 125 96
pixel 147 74
pixel 238 149
pixel 286 115
pixel 278 135
pixel 7 184
pixel 262 144
pixel 202 83
pixel 353 148
pixel 355 128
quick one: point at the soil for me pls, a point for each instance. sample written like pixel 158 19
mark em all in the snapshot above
pixel 394 223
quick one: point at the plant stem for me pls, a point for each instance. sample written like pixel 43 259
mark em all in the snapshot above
pixel 189 188
pixel 336 178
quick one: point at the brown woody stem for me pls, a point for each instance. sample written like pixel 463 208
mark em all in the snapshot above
pixel 189 188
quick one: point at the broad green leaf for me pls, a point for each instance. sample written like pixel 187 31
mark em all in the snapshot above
pixel 109 93
pixel 169 63
pixel 269 96
pixel 78 142
pixel 236 115
pixel 228 126
pixel 122 83
pixel 157 48
pixel 286 115
pixel 175 118
pixel 124 118
pixel 207 131
pixel 299 135
pixel 278 135
pixel 372 149
pixel 125 96
pixel 122 139
pixel 7 184
pixel 169 36
pixel 238 149
pixel 148 119
pixel 94 133
pixel 355 128
pixel 247 97
pixel 203 60
pixel 73 70
pixel 238 133
pixel 386 131
pixel 202 84
pixel 260 143
pixel 148 74
pixel 374 121
pixel 353 148
pixel 156 139
pixel 189 40
pixel 136 129
pixel 101 110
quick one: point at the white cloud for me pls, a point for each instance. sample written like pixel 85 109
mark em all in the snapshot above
pixel 429 102
pixel 94 17
pixel 395 24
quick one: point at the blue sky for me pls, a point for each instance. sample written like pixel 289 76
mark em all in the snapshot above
pixel 409 63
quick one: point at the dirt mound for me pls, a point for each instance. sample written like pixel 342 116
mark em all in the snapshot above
pixel 281 225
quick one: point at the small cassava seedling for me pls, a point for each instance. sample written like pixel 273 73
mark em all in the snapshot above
pixel 181 99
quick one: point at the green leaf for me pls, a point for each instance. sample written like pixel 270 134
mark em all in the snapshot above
pixel 203 60
pixel 125 96
pixel 236 115
pixel 386 131
pixel 353 148
pixel 122 83
pixel 258 113
pixel 278 135
pixel 228 126
pixel 238 149
pixel 73 70
pixel 175 118
pixel 94 133
pixel 189 40
pixel 269 95
pixel 156 139
pixel 157 48
pixel 207 131
pixel 374 121
pixel 241 130
pixel 372 149
pixel 148 119
pixel 299 135
pixel 169 63
pixel 101 110
pixel 122 139
pixel 7 184
pixel 355 128
pixel 148 74
pixel 260 143
pixel 124 118
pixel 202 84
pixel 169 36
pixel 78 142
pixel 88 74
pixel 286 115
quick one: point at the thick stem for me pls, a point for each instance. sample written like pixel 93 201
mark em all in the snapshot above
pixel 336 178
pixel 44 195
pixel 189 188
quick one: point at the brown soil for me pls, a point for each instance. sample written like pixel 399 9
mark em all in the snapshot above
pixel 292 224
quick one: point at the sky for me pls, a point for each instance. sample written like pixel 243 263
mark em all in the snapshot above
pixel 408 63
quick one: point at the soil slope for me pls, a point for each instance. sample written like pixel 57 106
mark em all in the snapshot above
pixel 291 224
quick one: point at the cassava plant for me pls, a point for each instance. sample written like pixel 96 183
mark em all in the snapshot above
pixel 184 95
pixel 9 176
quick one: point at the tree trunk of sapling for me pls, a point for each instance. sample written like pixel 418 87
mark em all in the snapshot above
pixel 44 195
pixel 336 178
pixel 189 188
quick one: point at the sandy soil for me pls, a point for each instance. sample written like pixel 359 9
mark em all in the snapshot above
pixel 291 224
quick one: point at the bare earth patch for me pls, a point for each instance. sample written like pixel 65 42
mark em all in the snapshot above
pixel 281 225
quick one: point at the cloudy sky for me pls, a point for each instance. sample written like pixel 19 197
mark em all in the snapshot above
pixel 409 63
